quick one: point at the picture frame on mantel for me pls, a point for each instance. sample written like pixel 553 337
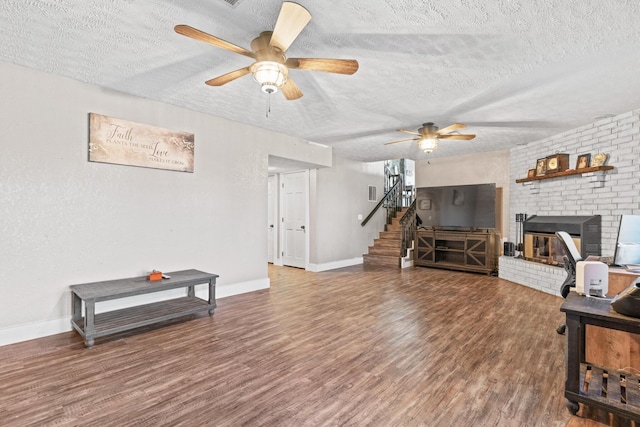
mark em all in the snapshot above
pixel 531 173
pixel 599 159
pixel 541 166
pixel 583 161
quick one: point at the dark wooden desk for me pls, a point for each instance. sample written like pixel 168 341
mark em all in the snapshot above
pixel 616 391
pixel 94 325
pixel 608 347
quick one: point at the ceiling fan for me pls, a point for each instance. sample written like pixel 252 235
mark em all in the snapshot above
pixel 429 135
pixel 271 67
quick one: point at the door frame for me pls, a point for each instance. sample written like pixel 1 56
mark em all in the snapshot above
pixel 275 203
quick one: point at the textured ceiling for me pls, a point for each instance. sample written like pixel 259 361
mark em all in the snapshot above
pixel 513 71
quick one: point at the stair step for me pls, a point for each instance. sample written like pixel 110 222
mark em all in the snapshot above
pixel 393 227
pixel 388 243
pixel 390 235
pixel 396 219
pixel 381 260
pixel 384 250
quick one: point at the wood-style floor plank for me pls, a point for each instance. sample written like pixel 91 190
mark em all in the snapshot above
pixel 350 347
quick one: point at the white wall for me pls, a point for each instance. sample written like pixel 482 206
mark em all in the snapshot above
pixel 65 220
pixel 339 196
pixel 477 168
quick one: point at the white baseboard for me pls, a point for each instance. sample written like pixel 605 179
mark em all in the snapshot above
pixel 29 331
pixel 223 291
pixel 406 262
pixel 335 264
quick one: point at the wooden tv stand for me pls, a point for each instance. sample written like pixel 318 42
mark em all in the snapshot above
pixel 94 325
pixel 473 251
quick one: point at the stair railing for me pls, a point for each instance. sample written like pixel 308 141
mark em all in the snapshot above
pixel 392 201
pixel 408 224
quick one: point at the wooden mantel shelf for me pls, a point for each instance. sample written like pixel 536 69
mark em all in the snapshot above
pixel 565 173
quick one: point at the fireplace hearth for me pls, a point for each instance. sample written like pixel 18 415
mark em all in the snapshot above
pixel 542 245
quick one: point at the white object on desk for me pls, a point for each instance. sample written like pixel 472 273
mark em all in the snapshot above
pixel 592 278
pixel 633 268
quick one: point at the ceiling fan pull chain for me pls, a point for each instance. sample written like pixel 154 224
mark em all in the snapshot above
pixel 268 104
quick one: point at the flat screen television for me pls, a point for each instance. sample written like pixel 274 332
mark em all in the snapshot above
pixel 628 243
pixel 457 206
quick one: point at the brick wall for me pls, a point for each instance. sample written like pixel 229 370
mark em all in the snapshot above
pixel 609 194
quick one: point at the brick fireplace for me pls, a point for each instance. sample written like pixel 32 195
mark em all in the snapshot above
pixel 608 194
pixel 543 255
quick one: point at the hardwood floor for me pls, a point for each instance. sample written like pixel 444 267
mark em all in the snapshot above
pixel 354 347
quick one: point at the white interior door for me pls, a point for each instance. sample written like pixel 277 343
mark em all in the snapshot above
pixel 272 218
pixel 294 215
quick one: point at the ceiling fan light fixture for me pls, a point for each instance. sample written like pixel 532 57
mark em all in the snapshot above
pixel 271 75
pixel 428 145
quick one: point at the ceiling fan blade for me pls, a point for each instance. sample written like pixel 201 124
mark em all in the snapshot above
pixel 291 20
pixel 409 131
pixel 290 90
pixel 339 66
pixel 467 137
pixel 196 34
pixel 451 128
pixel 404 140
pixel 226 78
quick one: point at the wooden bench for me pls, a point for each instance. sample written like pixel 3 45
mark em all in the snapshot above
pixel 93 325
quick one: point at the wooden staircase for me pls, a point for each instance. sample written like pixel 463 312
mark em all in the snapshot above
pixel 386 249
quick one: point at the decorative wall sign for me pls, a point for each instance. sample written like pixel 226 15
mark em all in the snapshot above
pixel 123 142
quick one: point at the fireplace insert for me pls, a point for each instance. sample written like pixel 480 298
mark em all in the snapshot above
pixel 542 245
